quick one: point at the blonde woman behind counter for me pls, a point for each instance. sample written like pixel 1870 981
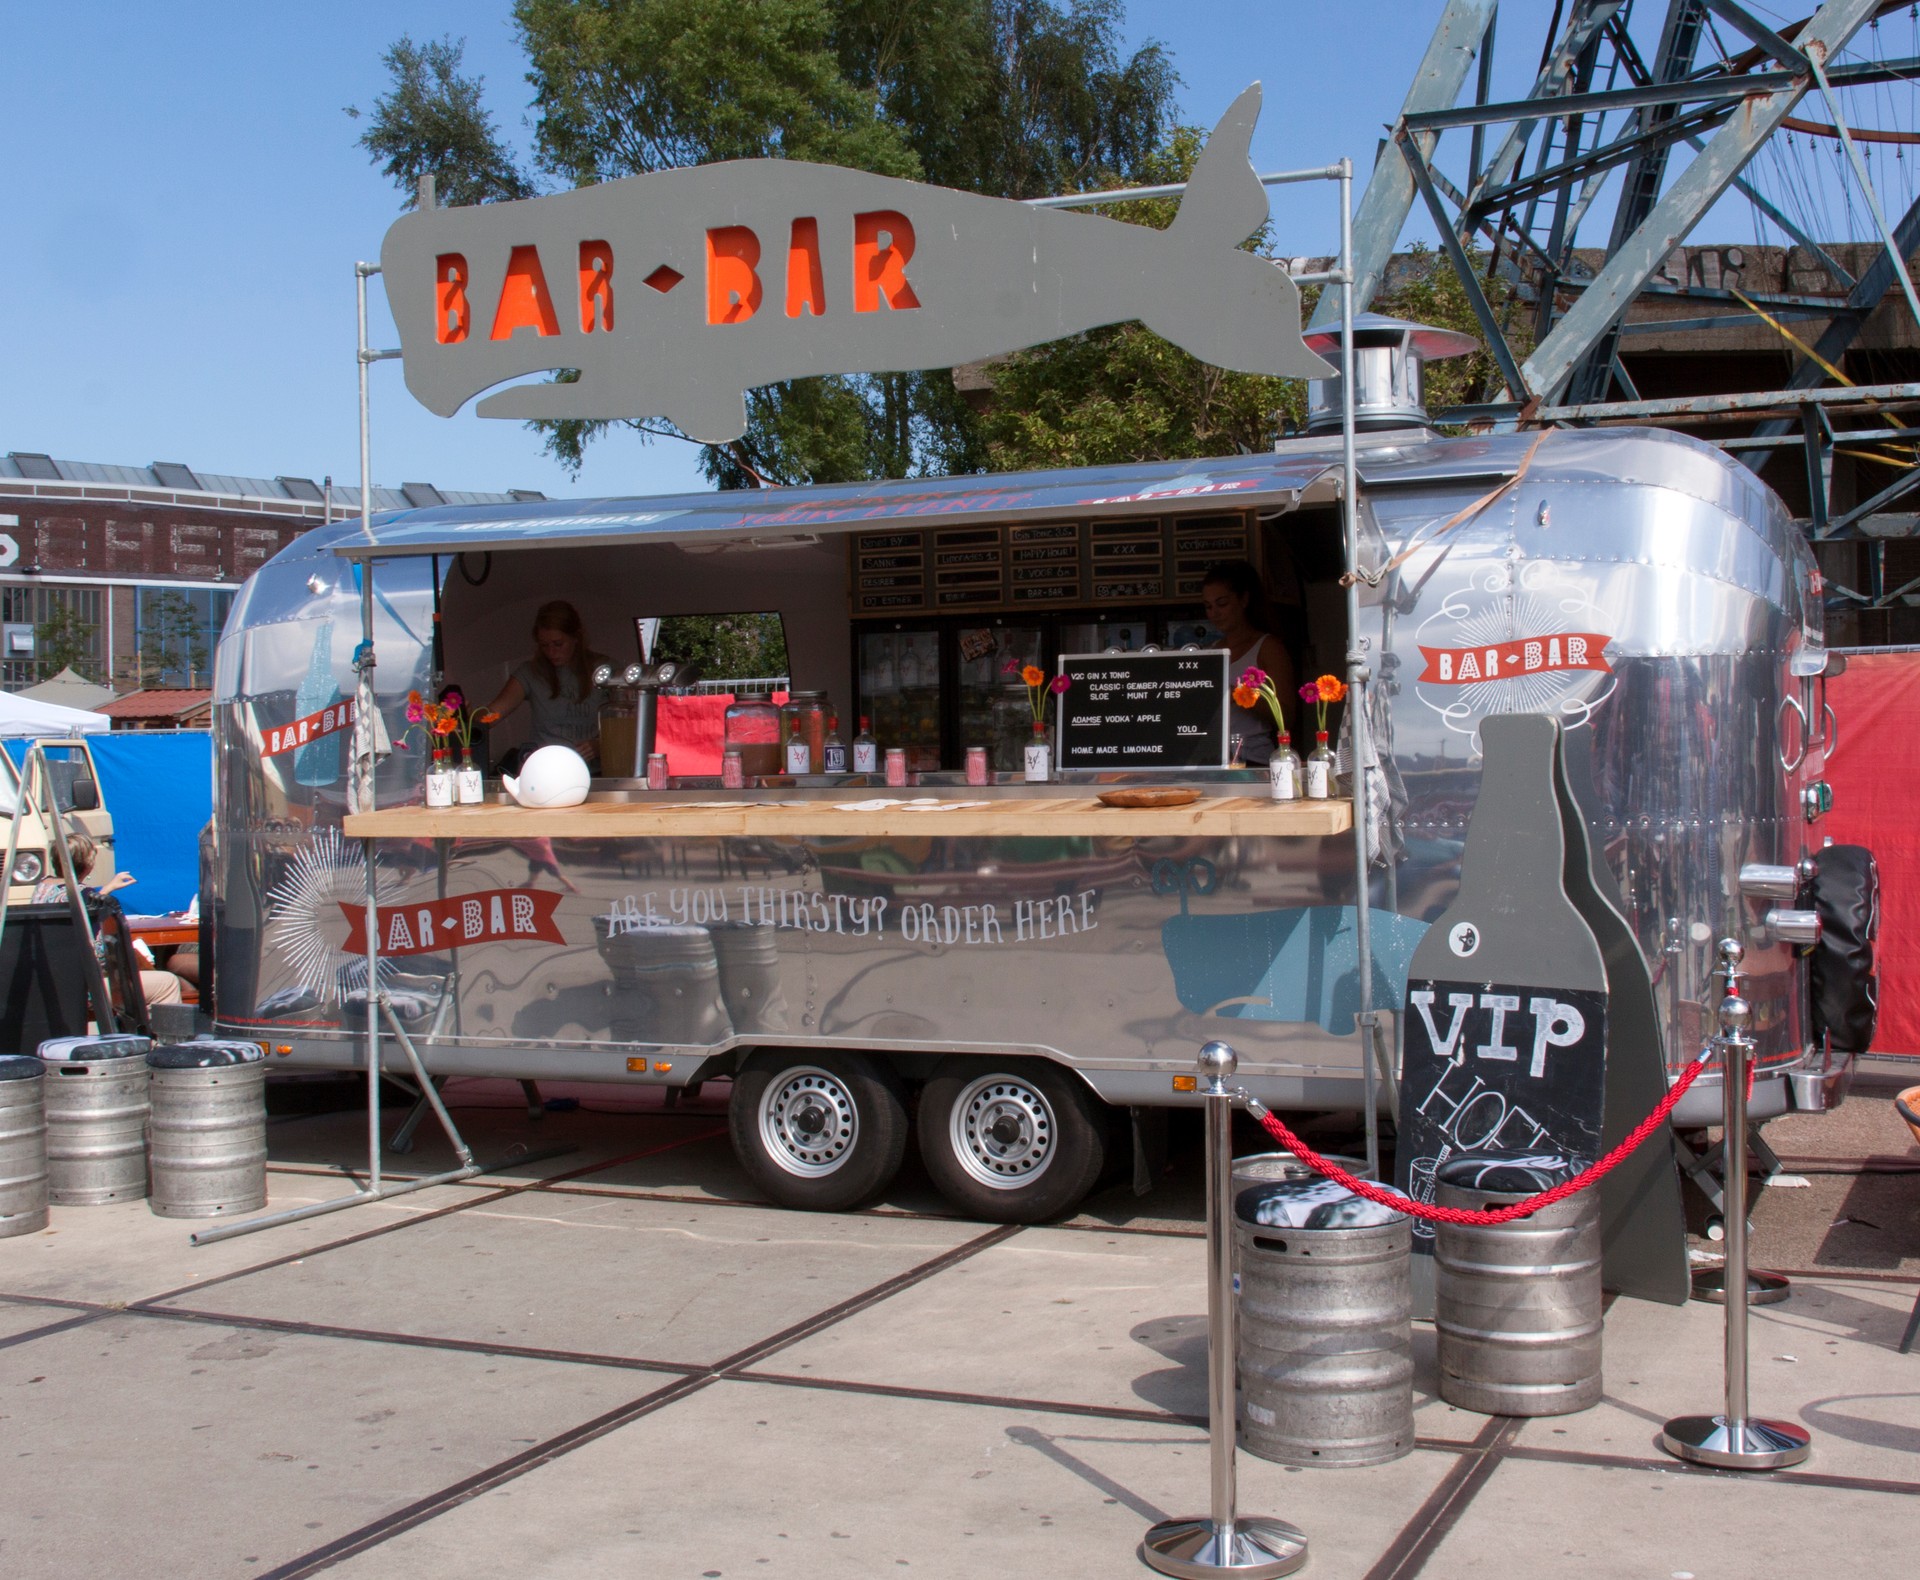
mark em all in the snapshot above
pixel 556 683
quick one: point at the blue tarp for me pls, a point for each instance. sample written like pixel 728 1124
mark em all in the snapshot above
pixel 158 785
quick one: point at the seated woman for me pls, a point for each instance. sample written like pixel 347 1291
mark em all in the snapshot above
pixel 556 683
pixel 157 986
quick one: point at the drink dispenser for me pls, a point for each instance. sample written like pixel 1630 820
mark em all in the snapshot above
pixel 629 718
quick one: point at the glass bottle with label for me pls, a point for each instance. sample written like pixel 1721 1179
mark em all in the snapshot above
pixel 834 752
pixel 1320 770
pixel 1285 771
pixel 866 750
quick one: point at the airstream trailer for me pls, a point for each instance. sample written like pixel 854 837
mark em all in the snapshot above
pixel 1008 976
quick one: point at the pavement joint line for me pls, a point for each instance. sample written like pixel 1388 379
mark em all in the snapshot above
pixel 434 1504
pixel 1435 1519
pixel 1824 1480
pixel 79 1320
pixel 479 1199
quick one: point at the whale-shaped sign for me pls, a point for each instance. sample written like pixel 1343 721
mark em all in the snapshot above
pixel 675 292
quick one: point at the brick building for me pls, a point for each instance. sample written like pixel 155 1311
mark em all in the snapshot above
pixel 126 572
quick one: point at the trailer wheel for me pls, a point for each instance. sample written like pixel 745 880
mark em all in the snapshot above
pixel 822 1131
pixel 1016 1141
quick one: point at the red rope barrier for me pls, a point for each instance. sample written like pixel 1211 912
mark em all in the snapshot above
pixel 1520 1209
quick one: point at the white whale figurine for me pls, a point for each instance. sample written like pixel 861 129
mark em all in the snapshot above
pixel 552 776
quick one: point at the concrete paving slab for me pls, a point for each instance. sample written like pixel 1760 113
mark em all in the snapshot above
pixel 1548 1522
pixel 17 1318
pixel 743 1480
pixel 139 1445
pixel 1824 1358
pixel 623 1276
pixel 121 1252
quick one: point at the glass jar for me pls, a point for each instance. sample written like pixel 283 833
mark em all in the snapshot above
pixel 803 732
pixel 752 727
pixel 619 738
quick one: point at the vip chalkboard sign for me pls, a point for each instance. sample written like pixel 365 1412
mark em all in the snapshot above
pixel 1505 1024
pixel 1145 711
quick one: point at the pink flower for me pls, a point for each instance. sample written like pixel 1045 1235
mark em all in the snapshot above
pixel 1310 692
pixel 1060 684
pixel 1253 676
pixel 414 715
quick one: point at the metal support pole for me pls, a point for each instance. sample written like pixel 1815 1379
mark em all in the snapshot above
pixel 1223 1543
pixel 1734 1440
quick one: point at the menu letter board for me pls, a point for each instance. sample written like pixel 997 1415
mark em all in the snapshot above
pixel 1145 710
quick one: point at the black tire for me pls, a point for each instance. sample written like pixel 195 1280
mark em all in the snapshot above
pixel 1011 1140
pixel 822 1131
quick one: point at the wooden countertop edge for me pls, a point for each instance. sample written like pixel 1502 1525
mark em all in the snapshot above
pixel 1006 819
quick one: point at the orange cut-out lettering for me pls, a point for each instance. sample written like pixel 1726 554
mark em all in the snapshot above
pixel 596 286
pixel 452 317
pixel 733 283
pixel 525 301
pixel 806 282
pixel 880 268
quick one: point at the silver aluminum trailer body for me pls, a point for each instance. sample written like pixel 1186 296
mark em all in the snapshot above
pixel 1636 584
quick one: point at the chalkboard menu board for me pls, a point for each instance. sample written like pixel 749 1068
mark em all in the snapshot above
pixel 1165 711
pixel 1069 564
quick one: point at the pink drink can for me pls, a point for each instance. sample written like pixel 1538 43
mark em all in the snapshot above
pixel 656 770
pixel 977 771
pixel 896 765
pixel 732 775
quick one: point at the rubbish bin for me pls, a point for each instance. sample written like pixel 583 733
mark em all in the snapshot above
pixel 209 1128
pixel 1326 1325
pixel 23 1145
pixel 96 1099
pixel 1517 1305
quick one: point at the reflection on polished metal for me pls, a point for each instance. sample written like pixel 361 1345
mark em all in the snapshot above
pixel 1763 1289
pixel 1222 1544
pixel 1733 1440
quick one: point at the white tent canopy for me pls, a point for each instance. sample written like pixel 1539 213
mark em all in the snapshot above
pixel 69 689
pixel 23 716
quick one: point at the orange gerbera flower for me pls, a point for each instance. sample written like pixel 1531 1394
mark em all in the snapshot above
pixel 1331 688
pixel 1033 675
pixel 1245 697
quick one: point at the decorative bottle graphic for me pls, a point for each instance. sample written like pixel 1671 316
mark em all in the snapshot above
pixel 318 762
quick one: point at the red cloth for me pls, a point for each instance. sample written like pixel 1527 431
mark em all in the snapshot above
pixel 692 730
pixel 1874 772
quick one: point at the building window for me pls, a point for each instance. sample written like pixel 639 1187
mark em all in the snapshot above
pixel 174 631
pixel 44 630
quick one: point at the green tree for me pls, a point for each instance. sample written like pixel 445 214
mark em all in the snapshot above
pixel 432 122
pixel 173 639
pixel 1015 98
pixel 726 646
pixel 65 640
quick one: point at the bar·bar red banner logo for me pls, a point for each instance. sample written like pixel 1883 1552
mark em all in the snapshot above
pixel 1527 655
pixel 489 917
pixel 315 726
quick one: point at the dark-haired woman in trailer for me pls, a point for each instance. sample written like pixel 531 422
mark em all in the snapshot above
pixel 1235 604
pixel 556 683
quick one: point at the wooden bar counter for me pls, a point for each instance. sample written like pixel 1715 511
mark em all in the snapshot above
pixel 864 816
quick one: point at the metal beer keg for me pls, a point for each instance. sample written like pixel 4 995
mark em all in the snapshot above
pixel 1326 1325
pixel 23 1145
pixel 209 1128
pixel 749 959
pixel 96 1097
pixel 1517 1305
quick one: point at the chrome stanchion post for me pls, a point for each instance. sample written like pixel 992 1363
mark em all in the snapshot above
pixel 1735 1440
pixel 1224 1543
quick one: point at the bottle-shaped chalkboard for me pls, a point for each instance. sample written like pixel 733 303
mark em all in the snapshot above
pixel 1505 1021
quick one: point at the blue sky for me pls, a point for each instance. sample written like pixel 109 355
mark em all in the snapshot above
pixel 186 201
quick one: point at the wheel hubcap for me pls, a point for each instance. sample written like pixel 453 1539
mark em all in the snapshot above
pixel 808 1122
pixel 1003 1132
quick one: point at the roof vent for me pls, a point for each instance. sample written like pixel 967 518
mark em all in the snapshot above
pixel 1389 356
pixel 421 495
pixel 32 464
pixel 174 474
pixel 301 488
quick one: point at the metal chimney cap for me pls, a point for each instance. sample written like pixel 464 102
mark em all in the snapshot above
pixel 1432 342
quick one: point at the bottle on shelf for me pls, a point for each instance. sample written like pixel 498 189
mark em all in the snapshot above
pixel 1320 770
pixel 866 750
pixel 1285 771
pixel 834 752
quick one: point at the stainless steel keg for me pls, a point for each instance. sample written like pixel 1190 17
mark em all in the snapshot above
pixel 666 984
pixel 23 1145
pixel 1326 1325
pixel 96 1097
pixel 209 1129
pixel 1517 1305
